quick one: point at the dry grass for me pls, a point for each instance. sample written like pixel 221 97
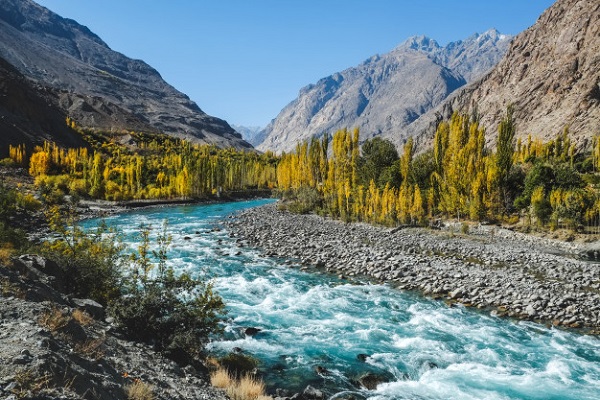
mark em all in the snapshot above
pixel 139 390
pixel 7 289
pixel 6 252
pixel 28 383
pixel 54 319
pixel 91 348
pixel 221 379
pixel 247 388
pixel 82 317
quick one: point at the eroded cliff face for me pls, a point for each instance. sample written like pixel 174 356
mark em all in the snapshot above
pixel 551 74
pixel 385 93
pixel 99 87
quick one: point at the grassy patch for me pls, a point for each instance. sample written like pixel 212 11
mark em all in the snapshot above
pixel 54 319
pixel 83 318
pixel 139 390
pixel 246 388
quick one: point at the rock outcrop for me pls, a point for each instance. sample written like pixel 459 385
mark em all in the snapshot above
pixel 385 93
pixel 99 87
pixel 56 347
pixel 551 74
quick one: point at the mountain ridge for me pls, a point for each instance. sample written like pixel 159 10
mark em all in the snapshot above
pixel 101 88
pixel 382 94
pixel 550 75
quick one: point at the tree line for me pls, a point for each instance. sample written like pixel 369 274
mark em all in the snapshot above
pixel 545 184
pixel 157 167
pixel 551 183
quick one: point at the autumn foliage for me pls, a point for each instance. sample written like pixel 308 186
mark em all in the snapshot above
pixel 461 177
pixel 155 169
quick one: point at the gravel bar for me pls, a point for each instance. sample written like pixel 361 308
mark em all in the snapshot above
pixel 508 273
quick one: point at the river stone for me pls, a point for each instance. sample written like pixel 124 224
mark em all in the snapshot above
pixel 529 310
pixel 251 331
pixel 312 393
pixel 370 380
pixel 455 294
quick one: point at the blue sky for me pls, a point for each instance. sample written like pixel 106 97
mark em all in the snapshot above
pixel 244 60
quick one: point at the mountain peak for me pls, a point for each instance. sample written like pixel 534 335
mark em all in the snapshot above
pixel 549 74
pixel 492 35
pixel 385 93
pixel 420 43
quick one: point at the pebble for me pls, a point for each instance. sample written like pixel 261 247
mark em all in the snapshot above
pixel 506 272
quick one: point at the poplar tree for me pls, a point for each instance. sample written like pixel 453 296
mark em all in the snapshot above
pixel 505 148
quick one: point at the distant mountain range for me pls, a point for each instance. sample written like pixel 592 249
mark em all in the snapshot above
pixel 251 134
pixel 551 74
pixel 96 86
pixel 386 93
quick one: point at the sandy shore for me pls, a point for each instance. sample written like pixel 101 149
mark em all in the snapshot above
pixel 509 274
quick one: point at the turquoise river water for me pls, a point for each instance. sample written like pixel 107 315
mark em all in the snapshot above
pixel 424 349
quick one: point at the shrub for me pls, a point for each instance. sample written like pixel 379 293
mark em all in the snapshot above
pixel 91 348
pixel 83 318
pixel 8 201
pixel 54 319
pixel 28 202
pixel 238 364
pixel 464 228
pixel 178 312
pixel 90 262
pixel 302 200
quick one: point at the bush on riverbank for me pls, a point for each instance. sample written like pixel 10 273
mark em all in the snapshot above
pixel 176 313
pixel 89 265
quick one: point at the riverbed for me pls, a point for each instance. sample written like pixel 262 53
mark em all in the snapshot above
pixel 328 325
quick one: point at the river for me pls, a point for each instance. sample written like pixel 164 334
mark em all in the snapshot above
pixel 424 349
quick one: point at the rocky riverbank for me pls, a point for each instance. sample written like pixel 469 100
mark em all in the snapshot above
pixel 494 269
pixel 56 347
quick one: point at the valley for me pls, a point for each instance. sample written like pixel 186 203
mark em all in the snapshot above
pixel 423 224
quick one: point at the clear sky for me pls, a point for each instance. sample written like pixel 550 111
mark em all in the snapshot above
pixel 244 60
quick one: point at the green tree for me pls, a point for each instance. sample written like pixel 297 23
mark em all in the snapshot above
pixel 90 262
pixel 379 157
pixel 505 149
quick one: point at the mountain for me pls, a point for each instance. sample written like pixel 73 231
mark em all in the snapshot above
pixel 251 134
pixel 99 87
pixel 471 58
pixel 551 74
pixel 29 114
pixel 385 93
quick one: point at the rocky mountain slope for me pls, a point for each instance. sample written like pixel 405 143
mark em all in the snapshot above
pixel 53 346
pixel 97 86
pixel 385 93
pixel 551 74
pixel 30 114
